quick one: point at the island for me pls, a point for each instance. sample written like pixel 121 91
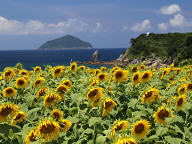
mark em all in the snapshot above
pixel 65 42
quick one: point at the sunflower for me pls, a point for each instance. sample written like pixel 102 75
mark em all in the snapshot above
pixel 21 82
pixel 171 77
pixel 103 68
pixel 150 95
pixel 68 83
pixel 61 90
pixel 73 66
pixel 178 70
pixel 19 117
pixel 8 74
pixel 50 99
pixel 97 71
pixel 38 82
pixel 7 110
pixel 57 114
pixel 140 129
pixel 142 67
pixel 108 106
pixel 48 130
pixel 31 137
pixel 114 69
pixel 134 69
pixel 146 76
pixel 182 89
pixel 65 125
pixel 125 140
pixel 94 93
pixel 37 69
pixel 188 87
pixel 57 71
pixel 162 114
pixel 120 75
pixel 93 83
pixel 119 125
pixel 82 67
pixel 102 77
pixel 24 72
pixel 9 92
pixel 136 78
pixel 41 92
pixel 182 99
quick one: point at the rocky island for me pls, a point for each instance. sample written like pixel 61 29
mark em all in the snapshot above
pixel 65 42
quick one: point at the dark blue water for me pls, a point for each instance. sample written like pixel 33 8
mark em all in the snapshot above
pixel 31 58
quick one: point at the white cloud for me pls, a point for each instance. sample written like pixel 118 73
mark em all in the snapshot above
pixel 97 28
pixel 14 27
pixel 163 26
pixel 143 26
pixel 178 21
pixel 167 10
pixel 124 28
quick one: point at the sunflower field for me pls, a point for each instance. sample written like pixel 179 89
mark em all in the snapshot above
pixel 82 105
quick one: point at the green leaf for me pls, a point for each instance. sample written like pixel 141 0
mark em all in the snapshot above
pixel 94 120
pixel 172 140
pixel 5 128
pixel 88 131
pixel 160 131
pixel 101 139
pixel 132 103
pixel 129 113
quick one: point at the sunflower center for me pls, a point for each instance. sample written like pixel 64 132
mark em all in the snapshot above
pixel 136 77
pixel 180 101
pixel 182 90
pixel 23 73
pixel 56 115
pixel 148 94
pixel 134 69
pixel 37 69
pixel 9 91
pixel 139 128
pixel 57 71
pixel 8 73
pixel 73 67
pixel 50 99
pixel 48 128
pixel 37 82
pixel 101 77
pixel 6 111
pixel 118 127
pixel 108 104
pixel 171 77
pixel 145 76
pixel 189 86
pixel 32 137
pixel 93 93
pixel 118 74
pixel 62 89
pixel 163 114
pixel 66 83
pixel 20 82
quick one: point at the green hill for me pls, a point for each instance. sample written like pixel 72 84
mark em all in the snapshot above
pixel 174 46
pixel 66 42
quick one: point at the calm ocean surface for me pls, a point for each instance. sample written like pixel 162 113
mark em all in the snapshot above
pixel 31 58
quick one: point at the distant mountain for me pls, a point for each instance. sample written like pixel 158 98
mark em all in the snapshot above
pixel 65 42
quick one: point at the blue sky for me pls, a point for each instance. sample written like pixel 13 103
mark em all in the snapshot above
pixel 26 24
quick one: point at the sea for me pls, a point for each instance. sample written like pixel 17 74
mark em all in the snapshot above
pixel 32 58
